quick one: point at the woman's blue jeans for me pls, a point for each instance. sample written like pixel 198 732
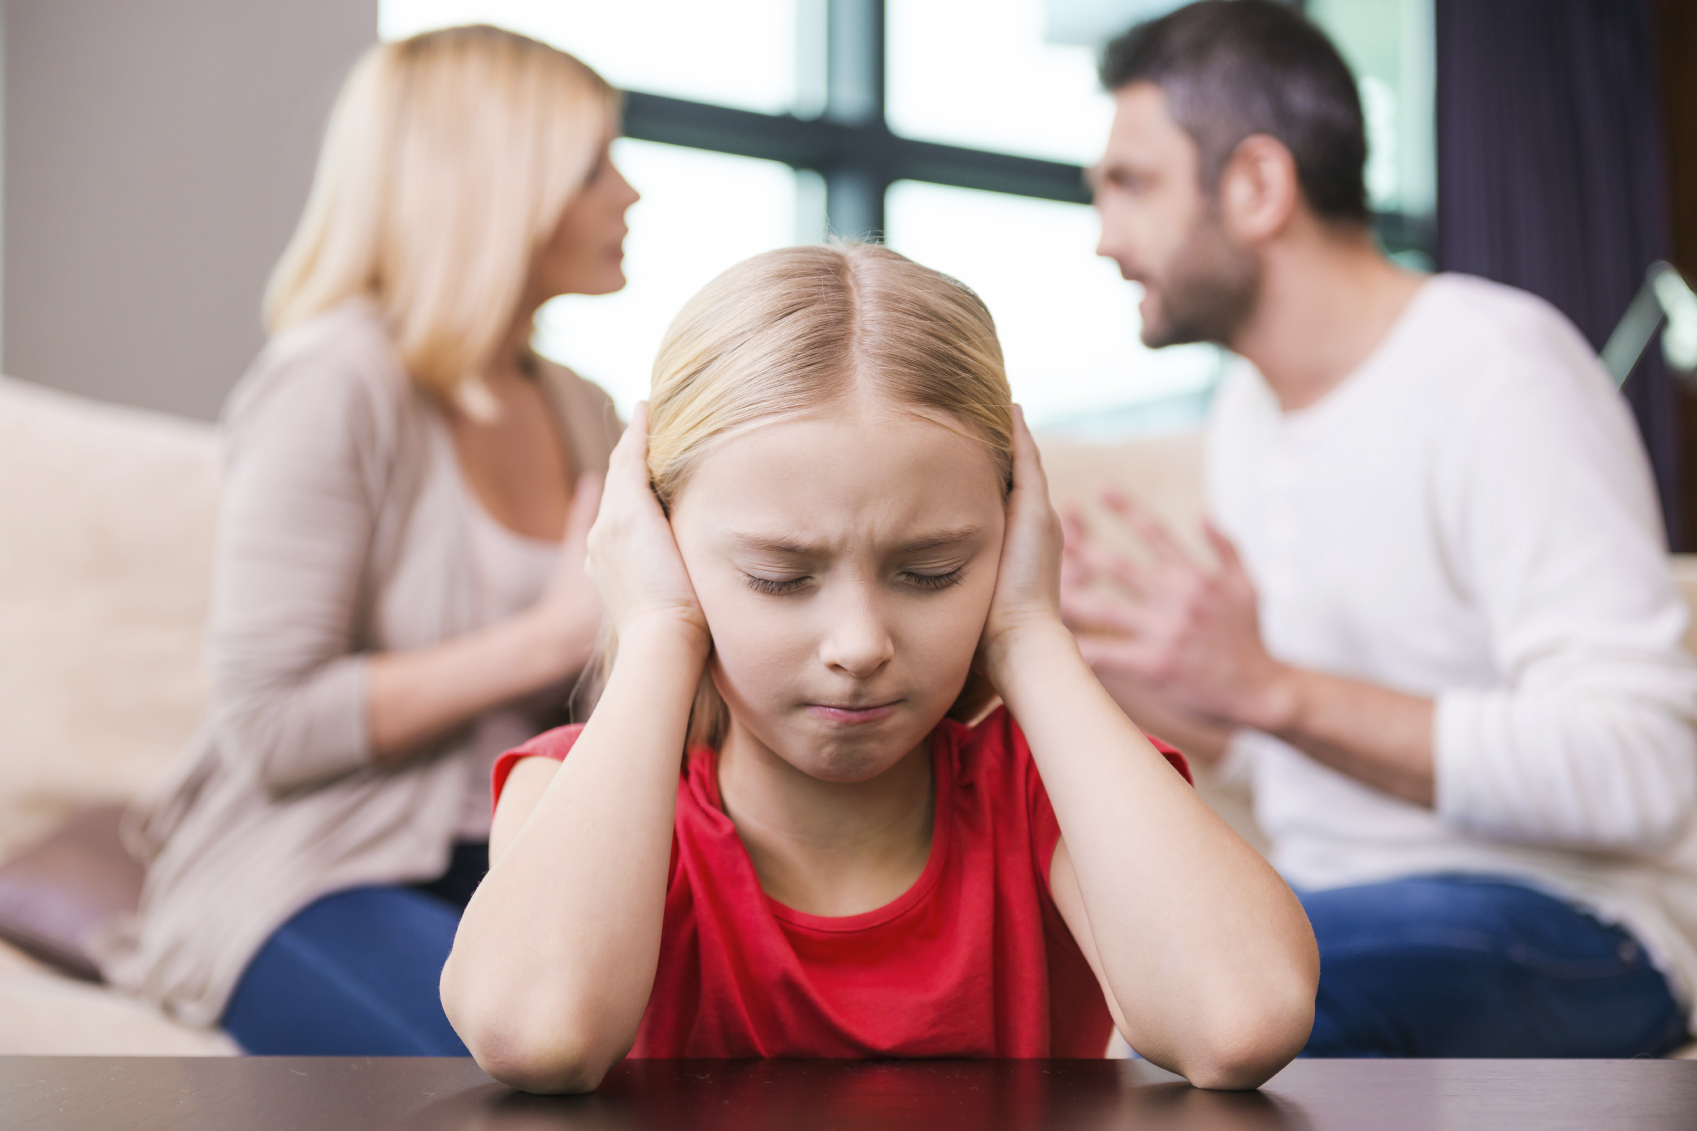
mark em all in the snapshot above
pixel 1462 966
pixel 355 973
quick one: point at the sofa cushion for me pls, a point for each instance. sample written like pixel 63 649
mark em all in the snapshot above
pixel 54 894
pixel 1162 472
pixel 45 1014
pixel 105 561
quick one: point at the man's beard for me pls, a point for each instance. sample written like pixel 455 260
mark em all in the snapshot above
pixel 1209 292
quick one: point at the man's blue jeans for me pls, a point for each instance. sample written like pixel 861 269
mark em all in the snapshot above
pixel 1461 966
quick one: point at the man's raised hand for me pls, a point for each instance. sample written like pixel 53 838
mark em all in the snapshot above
pixel 1188 632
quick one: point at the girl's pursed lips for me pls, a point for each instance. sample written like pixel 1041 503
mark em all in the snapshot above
pixel 830 712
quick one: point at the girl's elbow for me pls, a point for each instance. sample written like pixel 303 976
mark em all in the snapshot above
pixel 1249 1039
pixel 546 1066
pixel 535 1057
pixel 1247 1053
pixel 523 1043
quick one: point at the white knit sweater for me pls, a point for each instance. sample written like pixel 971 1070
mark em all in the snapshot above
pixel 1470 517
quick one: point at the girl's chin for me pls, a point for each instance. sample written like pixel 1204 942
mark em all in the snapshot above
pixel 848 771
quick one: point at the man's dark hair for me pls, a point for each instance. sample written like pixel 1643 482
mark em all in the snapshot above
pixel 1232 68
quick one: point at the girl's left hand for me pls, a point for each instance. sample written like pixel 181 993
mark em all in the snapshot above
pixel 1028 581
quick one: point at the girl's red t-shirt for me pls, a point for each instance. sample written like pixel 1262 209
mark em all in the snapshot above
pixel 973 960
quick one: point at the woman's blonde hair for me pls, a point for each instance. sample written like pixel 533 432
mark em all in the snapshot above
pixel 446 165
pixel 793 331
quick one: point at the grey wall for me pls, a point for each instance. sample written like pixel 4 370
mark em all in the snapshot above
pixel 157 156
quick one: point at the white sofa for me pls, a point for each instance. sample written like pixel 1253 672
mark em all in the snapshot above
pixel 106 517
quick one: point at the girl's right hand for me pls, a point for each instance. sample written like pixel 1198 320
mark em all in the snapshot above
pixel 569 613
pixel 633 558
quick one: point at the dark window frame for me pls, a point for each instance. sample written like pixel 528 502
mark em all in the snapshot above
pixel 853 148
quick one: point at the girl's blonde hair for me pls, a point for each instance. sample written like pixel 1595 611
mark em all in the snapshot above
pixel 793 331
pixel 446 165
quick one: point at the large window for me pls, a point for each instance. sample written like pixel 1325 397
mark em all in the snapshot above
pixel 954 129
pixel 990 74
pixel 700 212
pixel 1388 43
pixel 728 52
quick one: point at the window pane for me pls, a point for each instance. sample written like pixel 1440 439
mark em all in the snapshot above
pixel 731 52
pixel 1067 321
pixel 980 73
pixel 1388 44
pixel 699 213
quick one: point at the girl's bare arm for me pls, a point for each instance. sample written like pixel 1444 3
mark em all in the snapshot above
pixel 1205 955
pixel 555 957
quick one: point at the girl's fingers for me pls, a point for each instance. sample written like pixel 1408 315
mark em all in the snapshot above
pixel 586 504
pixel 635 439
pixel 1027 460
pixel 627 469
pixel 630 454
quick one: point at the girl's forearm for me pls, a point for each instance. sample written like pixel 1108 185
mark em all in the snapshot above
pixel 413 696
pixel 1203 947
pixel 555 957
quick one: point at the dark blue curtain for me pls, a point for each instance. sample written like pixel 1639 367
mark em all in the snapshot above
pixel 1550 173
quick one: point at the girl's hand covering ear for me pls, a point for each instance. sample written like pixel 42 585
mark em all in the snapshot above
pixel 1028 582
pixel 633 558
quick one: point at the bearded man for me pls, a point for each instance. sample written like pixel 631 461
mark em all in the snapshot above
pixel 1439 632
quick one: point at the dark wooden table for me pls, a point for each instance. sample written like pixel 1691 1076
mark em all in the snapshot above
pixel 333 1094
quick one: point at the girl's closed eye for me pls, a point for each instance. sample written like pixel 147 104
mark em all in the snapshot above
pixel 774 586
pixel 934 580
pixel 777 587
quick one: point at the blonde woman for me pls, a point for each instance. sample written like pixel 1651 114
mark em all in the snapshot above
pixel 398 589
pixel 787 831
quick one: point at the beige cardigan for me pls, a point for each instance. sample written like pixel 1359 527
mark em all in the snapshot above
pixel 339 535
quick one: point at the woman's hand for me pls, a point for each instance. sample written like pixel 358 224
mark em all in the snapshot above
pixel 633 558
pixel 1027 600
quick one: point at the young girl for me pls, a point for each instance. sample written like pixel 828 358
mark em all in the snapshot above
pixel 828 512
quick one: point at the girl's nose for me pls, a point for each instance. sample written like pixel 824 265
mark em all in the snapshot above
pixel 856 642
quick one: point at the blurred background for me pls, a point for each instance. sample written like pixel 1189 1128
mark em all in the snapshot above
pixel 157 155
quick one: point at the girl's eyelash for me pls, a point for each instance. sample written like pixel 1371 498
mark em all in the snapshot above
pixel 775 588
pixel 936 580
pixel 919 580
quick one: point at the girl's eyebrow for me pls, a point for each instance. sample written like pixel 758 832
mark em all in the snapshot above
pixel 795 547
pixel 938 540
pixel 775 544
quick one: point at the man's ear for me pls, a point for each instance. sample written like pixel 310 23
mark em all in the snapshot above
pixel 1259 190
